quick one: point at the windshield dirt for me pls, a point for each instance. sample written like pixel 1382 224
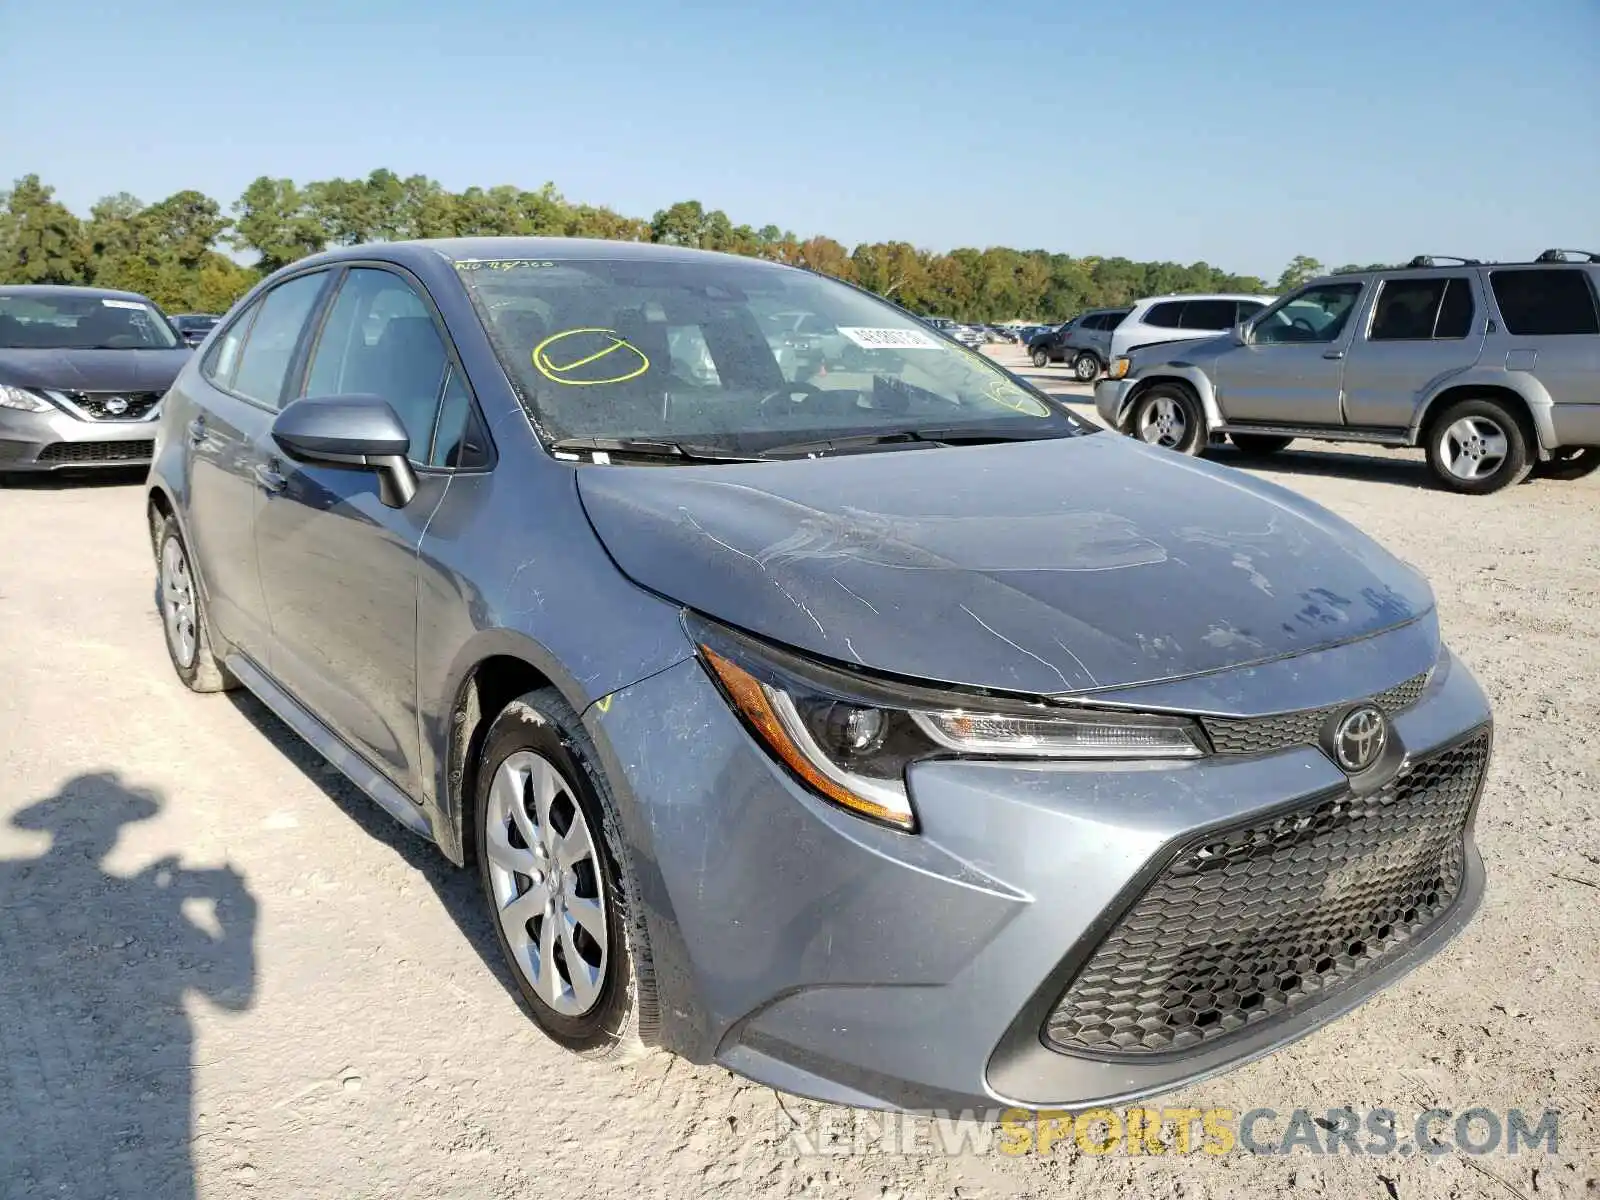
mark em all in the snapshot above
pixel 82 323
pixel 743 357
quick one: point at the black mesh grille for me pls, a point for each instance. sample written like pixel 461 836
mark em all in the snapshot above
pixel 103 406
pixel 1258 921
pixel 97 452
pixel 1260 735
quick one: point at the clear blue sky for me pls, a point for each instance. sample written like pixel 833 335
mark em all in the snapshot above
pixel 1241 134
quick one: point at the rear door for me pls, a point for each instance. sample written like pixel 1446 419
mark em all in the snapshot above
pixel 1421 329
pixel 1550 325
pixel 236 396
pixel 1292 369
pixel 339 567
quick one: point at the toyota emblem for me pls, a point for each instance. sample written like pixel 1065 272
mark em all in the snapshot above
pixel 1360 738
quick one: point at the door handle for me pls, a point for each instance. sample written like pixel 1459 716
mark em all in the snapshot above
pixel 197 430
pixel 1334 354
pixel 269 478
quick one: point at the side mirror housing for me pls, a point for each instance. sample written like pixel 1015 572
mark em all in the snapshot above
pixel 1241 334
pixel 358 432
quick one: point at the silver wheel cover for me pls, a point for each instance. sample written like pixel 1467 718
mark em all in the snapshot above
pixel 178 603
pixel 1473 448
pixel 546 880
pixel 1162 423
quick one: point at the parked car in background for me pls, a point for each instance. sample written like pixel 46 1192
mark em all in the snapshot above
pixel 1180 318
pixel 1494 369
pixel 82 374
pixel 1083 342
pixel 895 738
pixel 193 327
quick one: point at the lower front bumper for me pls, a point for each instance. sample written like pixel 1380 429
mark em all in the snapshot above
pixel 57 441
pixel 823 955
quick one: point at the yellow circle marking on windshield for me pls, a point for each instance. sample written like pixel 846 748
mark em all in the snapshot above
pixel 623 370
pixel 1007 396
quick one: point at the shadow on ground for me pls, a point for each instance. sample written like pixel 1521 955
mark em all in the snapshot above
pixel 95 1046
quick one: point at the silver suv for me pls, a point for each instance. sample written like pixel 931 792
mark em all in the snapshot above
pixel 1493 368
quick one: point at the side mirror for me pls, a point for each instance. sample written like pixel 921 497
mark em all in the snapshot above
pixel 360 432
pixel 1241 334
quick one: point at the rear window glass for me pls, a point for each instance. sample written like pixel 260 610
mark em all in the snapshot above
pixel 1168 315
pixel 1210 315
pixel 1545 302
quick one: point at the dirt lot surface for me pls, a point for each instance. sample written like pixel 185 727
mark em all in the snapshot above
pixel 223 972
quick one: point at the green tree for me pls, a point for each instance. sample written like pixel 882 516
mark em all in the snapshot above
pixel 1300 270
pixel 274 218
pixel 40 240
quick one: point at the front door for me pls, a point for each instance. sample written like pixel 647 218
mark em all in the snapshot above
pixel 338 566
pixel 1291 371
pixel 1423 328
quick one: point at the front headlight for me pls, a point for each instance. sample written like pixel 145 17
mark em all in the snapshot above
pixel 1119 368
pixel 850 737
pixel 15 397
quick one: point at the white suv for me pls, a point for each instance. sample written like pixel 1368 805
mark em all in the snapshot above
pixel 1181 319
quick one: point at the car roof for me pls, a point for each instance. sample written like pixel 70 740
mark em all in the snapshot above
pixel 47 290
pixel 468 249
pixel 1201 296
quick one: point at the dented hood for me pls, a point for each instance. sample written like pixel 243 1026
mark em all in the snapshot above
pixel 1073 565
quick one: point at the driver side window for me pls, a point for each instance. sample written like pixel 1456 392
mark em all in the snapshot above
pixel 1317 315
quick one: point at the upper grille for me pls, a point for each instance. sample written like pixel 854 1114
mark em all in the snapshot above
pixel 1261 735
pixel 98 405
pixel 1256 922
pixel 98 452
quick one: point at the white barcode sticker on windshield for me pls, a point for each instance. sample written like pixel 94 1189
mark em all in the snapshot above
pixel 133 304
pixel 890 339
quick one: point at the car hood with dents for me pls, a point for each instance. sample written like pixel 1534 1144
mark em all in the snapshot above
pixel 1064 566
pixel 93 370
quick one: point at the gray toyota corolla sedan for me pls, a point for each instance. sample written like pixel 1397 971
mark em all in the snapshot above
pixel 873 727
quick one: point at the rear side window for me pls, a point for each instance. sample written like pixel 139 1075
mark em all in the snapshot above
pixel 263 360
pixel 1167 315
pixel 1210 315
pixel 1249 308
pixel 1545 302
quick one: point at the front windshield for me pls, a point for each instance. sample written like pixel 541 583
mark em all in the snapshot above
pixel 65 321
pixel 1318 314
pixel 738 356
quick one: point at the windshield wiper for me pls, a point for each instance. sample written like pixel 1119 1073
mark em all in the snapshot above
pixel 649 448
pixel 953 435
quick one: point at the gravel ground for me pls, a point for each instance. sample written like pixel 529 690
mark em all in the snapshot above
pixel 223 972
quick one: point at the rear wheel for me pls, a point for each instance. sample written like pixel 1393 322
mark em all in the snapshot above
pixel 1478 446
pixel 1570 462
pixel 559 884
pixel 1167 415
pixel 1086 367
pixel 1258 445
pixel 183 615
pixel 1041 358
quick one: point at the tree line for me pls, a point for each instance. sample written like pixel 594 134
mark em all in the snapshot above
pixel 175 250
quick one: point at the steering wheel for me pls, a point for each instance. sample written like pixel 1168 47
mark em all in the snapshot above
pixel 1304 325
pixel 783 399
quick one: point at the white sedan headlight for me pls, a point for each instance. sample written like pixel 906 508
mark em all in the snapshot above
pixel 21 398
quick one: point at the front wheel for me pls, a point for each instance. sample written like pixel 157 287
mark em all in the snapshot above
pixel 1478 446
pixel 1041 358
pixel 559 884
pixel 1570 462
pixel 1169 416
pixel 1086 368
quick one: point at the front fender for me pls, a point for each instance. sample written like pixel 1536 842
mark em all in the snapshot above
pixel 1184 372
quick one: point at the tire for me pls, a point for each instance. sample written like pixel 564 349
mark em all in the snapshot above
pixel 1258 445
pixel 1570 462
pixel 1479 446
pixel 1169 416
pixel 1086 368
pixel 184 625
pixel 537 757
pixel 1041 358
